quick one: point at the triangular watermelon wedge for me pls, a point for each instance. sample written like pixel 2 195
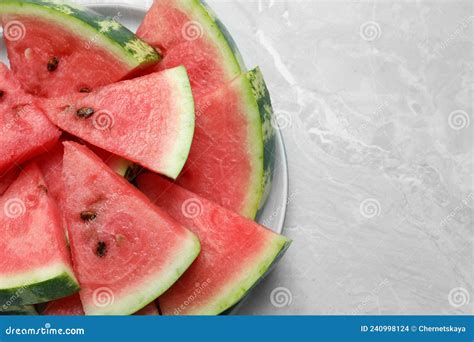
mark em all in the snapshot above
pixel 57 47
pixel 35 265
pixel 148 120
pixel 188 33
pixel 126 252
pixel 231 158
pixel 24 129
pixel 235 254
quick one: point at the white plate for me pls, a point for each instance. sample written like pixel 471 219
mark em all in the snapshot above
pixel 273 213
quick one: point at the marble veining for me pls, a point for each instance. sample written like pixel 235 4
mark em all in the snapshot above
pixel 375 102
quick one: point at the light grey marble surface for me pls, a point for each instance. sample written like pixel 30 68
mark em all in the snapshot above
pixel 375 101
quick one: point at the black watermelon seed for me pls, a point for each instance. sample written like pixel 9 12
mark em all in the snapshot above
pixel 85 90
pixel 101 249
pixel 1 93
pixel 85 112
pixel 53 64
pixel 43 188
pixel 87 216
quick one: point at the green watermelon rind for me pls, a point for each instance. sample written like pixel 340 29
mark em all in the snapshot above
pixel 91 26
pixel 185 130
pixel 254 273
pixel 38 286
pixel 255 148
pixel 262 96
pixel 268 270
pixel 15 310
pixel 217 33
pixel 136 301
pixel 226 36
pixel 262 141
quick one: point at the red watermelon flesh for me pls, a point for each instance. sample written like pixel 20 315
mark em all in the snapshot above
pixel 30 226
pixel 57 47
pixel 51 165
pixel 24 129
pixel 148 120
pixel 235 251
pixel 30 64
pixel 72 306
pixel 225 162
pixel 187 33
pixel 68 306
pixel 111 225
pixel 8 178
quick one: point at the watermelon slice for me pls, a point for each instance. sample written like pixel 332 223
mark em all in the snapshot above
pixel 188 33
pixel 35 264
pixel 231 158
pixel 148 120
pixel 236 252
pixel 56 48
pixel 126 252
pixel 72 306
pixel 24 130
